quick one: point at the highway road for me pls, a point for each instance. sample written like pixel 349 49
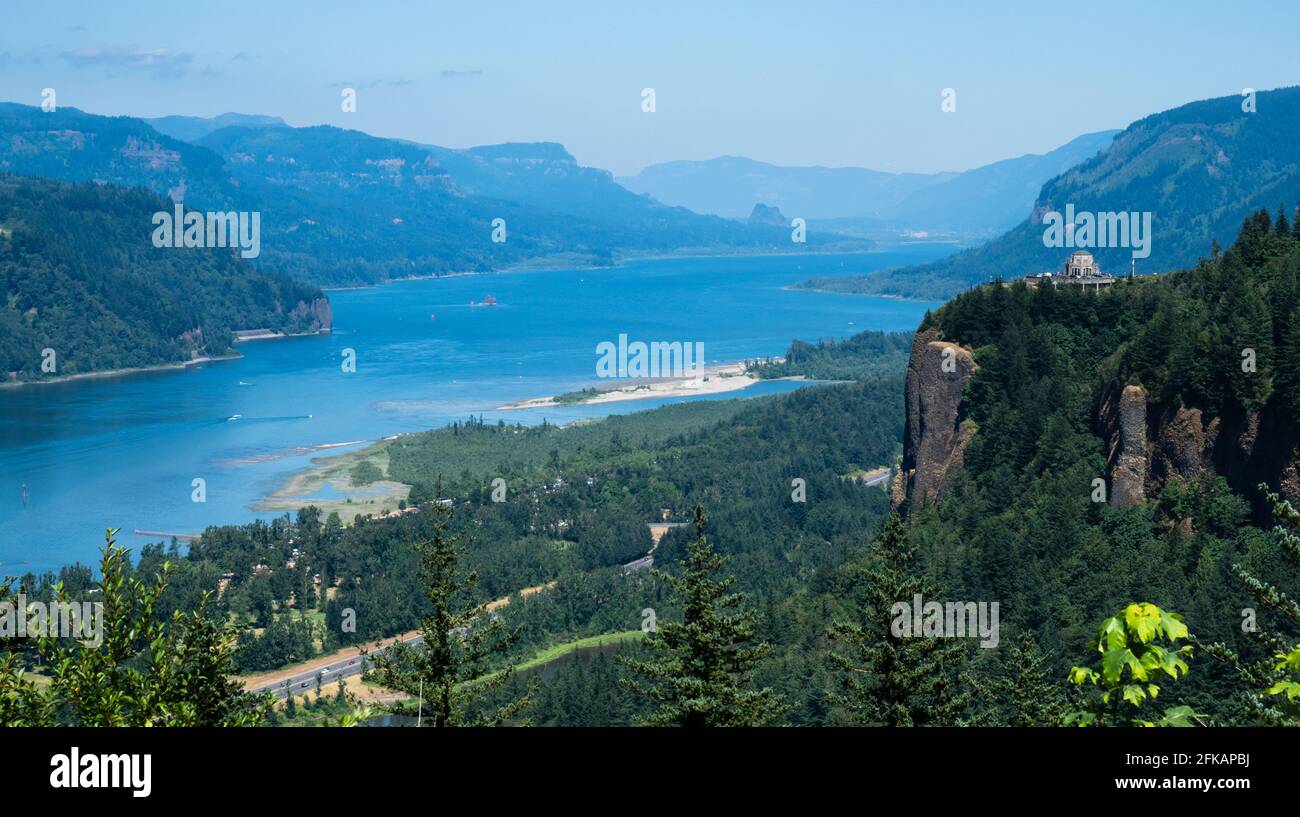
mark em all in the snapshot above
pixel 304 682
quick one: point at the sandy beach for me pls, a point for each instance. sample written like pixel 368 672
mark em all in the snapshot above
pixel 716 379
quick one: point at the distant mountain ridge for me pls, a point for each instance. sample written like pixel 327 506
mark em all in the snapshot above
pixel 343 207
pixel 1199 169
pixel 984 200
pixel 193 128
pixel 730 186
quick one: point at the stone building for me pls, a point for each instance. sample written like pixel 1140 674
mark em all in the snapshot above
pixel 1081 265
pixel 1081 269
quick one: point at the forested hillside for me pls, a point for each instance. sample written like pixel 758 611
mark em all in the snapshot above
pixel 1023 521
pixel 1199 169
pixel 343 207
pixel 82 277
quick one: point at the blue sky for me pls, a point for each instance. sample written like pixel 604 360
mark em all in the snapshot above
pixel 790 83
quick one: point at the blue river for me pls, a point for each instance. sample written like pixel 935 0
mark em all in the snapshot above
pixel 79 456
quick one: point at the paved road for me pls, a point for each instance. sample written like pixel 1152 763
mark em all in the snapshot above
pixel 305 681
pixel 876 480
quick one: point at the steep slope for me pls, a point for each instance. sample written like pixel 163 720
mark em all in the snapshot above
pixel 381 208
pixel 1198 169
pixel 74 146
pixel 978 202
pixel 82 277
pixel 1106 447
pixel 1165 379
pixel 989 199
pixel 344 207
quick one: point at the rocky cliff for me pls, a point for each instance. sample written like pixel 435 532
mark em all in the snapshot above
pixel 1146 444
pixel 935 435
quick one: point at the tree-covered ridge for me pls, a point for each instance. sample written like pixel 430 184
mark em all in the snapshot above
pixel 1184 337
pixel 1022 523
pixel 343 207
pixel 855 358
pixel 74 146
pixel 1199 169
pixel 81 277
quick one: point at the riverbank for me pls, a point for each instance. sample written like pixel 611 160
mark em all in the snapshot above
pixel 161 367
pixel 558 263
pixel 715 379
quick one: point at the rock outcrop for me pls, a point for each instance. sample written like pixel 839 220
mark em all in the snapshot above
pixel 936 435
pixel 318 315
pixel 1180 447
pixel 1124 421
pixel 771 216
pixel 1147 445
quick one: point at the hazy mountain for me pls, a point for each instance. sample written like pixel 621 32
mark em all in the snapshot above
pixel 194 128
pixel 768 215
pixel 1198 169
pixel 731 185
pixel 989 199
pixel 342 207
pixel 382 208
pixel 74 146
pixel 982 201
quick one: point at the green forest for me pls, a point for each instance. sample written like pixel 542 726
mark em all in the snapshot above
pixel 783 568
pixel 83 279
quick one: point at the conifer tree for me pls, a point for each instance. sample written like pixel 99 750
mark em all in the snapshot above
pixel 1273 680
pixel 886 679
pixel 146 670
pixel 1025 688
pixel 450 670
pixel 700 671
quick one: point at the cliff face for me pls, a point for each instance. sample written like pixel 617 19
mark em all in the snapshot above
pixel 318 315
pixel 1146 444
pixel 1149 444
pixel 1123 418
pixel 935 435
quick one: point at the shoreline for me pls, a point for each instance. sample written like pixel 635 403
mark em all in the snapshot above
pixel 797 288
pixel 525 266
pixel 719 378
pixel 158 367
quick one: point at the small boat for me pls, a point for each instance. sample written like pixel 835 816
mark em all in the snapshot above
pixel 432 316
pixel 233 417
